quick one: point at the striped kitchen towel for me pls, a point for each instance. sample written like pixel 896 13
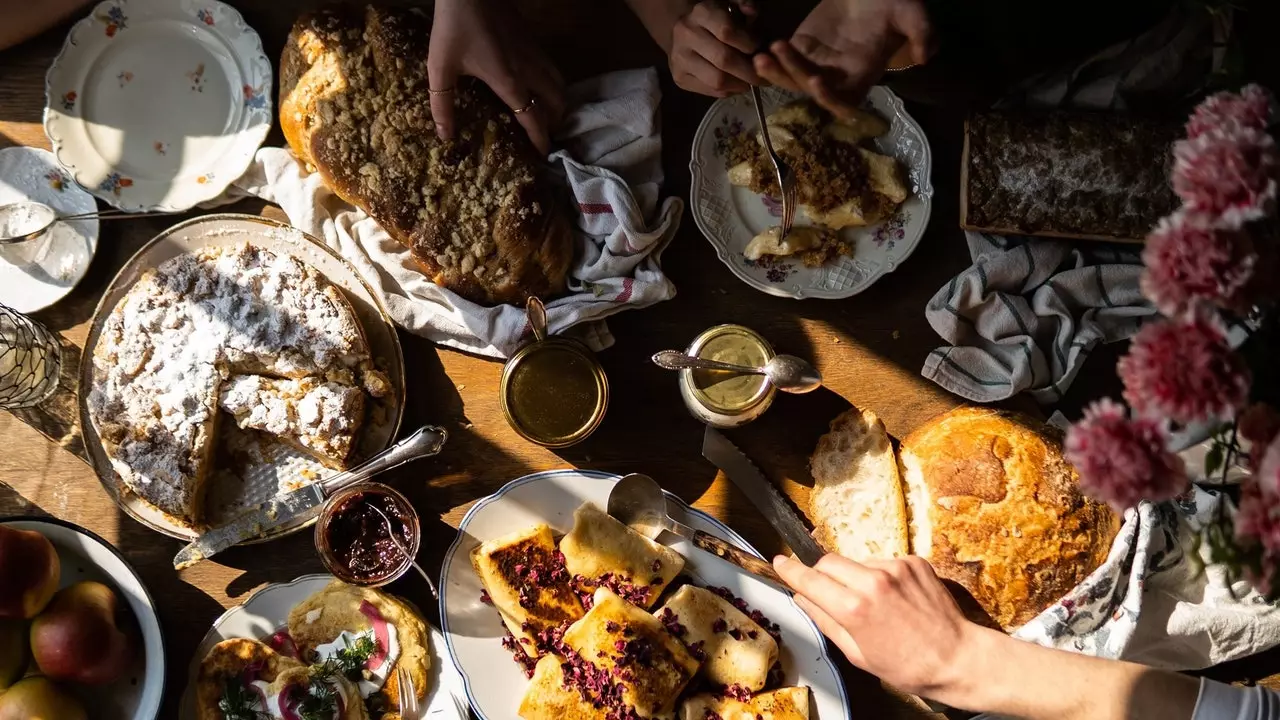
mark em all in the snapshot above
pixel 1026 314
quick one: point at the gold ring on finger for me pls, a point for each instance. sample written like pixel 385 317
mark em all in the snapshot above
pixel 446 91
pixel 533 102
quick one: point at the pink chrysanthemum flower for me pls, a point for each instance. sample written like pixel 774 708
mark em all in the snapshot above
pixel 1229 176
pixel 1258 516
pixel 1251 108
pixel 1184 370
pixel 1122 461
pixel 1188 260
pixel 1259 424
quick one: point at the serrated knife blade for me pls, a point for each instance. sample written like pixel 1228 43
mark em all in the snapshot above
pixel 762 493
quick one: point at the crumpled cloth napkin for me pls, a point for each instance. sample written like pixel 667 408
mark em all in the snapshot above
pixel 612 166
pixel 1026 314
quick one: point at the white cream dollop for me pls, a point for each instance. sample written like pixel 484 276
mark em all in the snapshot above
pixel 372 679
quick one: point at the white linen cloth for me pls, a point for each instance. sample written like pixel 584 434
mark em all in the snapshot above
pixel 611 165
pixel 1026 314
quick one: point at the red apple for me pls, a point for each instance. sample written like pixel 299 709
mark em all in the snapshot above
pixel 29 572
pixel 77 639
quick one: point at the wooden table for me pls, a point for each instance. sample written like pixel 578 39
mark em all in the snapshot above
pixel 869 348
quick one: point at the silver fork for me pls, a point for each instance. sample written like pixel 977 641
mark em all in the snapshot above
pixel 408 694
pixel 786 178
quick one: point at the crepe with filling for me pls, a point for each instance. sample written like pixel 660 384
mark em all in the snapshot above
pixel 321 618
pixel 229 660
pixel 790 703
pixel 651 667
pixel 606 552
pixel 517 571
pixel 737 650
pixel 549 697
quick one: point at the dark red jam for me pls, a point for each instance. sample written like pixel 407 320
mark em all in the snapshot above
pixel 359 537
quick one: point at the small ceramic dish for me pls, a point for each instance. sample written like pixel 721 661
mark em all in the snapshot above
pixel 40 272
pixel 731 216
pixel 158 104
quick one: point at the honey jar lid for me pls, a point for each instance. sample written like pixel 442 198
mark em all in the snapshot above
pixel 554 392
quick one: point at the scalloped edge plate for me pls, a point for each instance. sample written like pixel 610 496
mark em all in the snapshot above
pixel 494 683
pixel 731 216
pixel 158 104
pixel 267 610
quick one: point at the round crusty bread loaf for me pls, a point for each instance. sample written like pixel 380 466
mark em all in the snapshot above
pixel 856 505
pixel 475 210
pixel 996 508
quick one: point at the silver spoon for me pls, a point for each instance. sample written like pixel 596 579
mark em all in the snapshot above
pixel 788 373
pixel 537 313
pixel 400 546
pixel 42 217
pixel 637 501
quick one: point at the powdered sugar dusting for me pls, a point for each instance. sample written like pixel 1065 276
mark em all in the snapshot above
pixel 320 416
pixel 181 329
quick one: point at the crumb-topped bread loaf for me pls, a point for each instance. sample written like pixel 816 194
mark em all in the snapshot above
pixel 354 104
pixel 1069 174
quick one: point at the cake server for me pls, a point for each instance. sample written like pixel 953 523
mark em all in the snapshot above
pixel 638 502
pixel 762 493
pixel 305 502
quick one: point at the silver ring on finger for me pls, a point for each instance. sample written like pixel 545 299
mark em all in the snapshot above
pixel 533 102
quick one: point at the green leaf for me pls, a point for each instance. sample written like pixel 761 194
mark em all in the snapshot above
pixel 1213 460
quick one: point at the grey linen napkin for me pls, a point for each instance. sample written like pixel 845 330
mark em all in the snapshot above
pixel 1026 314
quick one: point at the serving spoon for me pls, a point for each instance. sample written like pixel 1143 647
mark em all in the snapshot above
pixel 788 373
pixel 637 501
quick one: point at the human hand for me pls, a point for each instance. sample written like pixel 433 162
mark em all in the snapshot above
pixel 893 618
pixel 843 47
pixel 468 37
pixel 711 53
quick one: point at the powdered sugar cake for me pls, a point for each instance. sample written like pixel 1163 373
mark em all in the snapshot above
pixel 171 342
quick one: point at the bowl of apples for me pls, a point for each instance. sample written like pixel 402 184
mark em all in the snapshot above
pixel 79 637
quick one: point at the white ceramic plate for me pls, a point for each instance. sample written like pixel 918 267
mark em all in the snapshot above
pixel 262 468
pixel 85 556
pixel 473 631
pixel 267 611
pixel 42 272
pixel 731 216
pixel 158 104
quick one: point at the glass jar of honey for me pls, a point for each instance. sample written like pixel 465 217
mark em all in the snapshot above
pixel 727 399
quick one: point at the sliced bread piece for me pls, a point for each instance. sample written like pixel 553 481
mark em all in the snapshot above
pixel 857 504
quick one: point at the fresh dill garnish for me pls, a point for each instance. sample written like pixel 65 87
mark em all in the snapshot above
pixel 238 702
pixel 350 660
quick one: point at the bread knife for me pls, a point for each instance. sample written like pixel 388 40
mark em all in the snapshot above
pixel 762 493
pixel 305 502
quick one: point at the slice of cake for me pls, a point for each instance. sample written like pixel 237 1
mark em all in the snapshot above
pixel 736 651
pixel 606 553
pixel 319 417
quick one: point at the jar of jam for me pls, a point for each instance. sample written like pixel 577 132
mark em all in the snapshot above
pixel 368 534
pixel 726 399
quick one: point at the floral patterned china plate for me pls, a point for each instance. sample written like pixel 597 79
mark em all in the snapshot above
pixel 38 273
pixel 731 216
pixel 158 104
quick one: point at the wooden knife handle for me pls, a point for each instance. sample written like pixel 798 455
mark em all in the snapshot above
pixel 744 560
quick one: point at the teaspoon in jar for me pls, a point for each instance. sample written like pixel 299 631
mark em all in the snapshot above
pixel 399 546
pixel 785 372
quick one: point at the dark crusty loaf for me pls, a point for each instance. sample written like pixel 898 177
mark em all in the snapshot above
pixel 995 508
pixel 1067 174
pixel 354 105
